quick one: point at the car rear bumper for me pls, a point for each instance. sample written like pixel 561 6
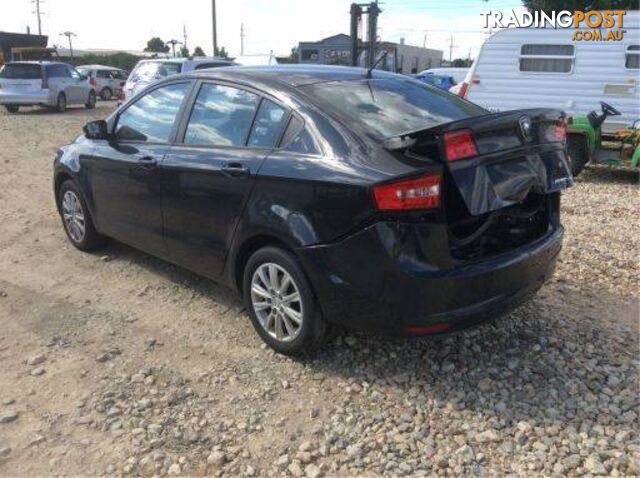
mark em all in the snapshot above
pixel 378 280
pixel 26 98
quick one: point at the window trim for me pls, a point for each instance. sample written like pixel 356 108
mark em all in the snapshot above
pixel 628 51
pixel 176 124
pixel 571 57
pixel 182 130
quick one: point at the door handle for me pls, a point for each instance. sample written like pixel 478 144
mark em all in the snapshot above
pixel 147 162
pixel 235 169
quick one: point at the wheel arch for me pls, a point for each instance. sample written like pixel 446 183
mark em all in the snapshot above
pixel 58 181
pixel 246 249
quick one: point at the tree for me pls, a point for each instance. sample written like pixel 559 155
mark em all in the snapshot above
pixel 221 52
pixel 197 51
pixel 184 51
pixel 156 45
pixel 462 62
pixel 549 6
pixel 292 58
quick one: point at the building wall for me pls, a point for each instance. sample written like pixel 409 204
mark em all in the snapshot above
pixel 413 59
pixel 334 50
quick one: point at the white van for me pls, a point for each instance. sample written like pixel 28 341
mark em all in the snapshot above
pixel 544 67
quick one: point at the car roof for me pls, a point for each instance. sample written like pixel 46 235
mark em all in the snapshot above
pixel 291 75
pixel 183 59
pixel 99 67
pixel 45 63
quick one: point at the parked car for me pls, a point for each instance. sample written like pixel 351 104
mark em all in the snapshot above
pixel 439 81
pixel 107 81
pixel 52 84
pixel 457 73
pixel 149 71
pixel 545 67
pixel 325 197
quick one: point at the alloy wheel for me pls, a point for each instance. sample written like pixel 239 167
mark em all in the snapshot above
pixel 73 216
pixel 277 302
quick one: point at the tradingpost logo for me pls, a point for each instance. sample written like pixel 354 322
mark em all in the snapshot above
pixel 588 25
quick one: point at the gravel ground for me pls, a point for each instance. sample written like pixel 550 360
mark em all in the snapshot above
pixel 118 363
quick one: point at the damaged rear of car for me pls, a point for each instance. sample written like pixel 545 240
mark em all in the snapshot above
pixel 465 222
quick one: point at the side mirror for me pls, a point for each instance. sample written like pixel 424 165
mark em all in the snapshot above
pixel 96 130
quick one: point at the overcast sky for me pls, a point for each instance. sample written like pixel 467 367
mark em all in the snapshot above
pixel 276 25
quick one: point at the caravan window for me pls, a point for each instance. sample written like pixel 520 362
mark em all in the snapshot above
pixel 547 58
pixel 632 57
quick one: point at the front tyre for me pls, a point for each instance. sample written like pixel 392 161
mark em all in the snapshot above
pixel 106 94
pixel 61 103
pixel 76 218
pixel 91 102
pixel 281 304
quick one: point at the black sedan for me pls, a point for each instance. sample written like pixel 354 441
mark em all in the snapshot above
pixel 326 195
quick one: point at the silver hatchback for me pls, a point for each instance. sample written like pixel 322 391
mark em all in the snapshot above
pixel 107 81
pixel 52 84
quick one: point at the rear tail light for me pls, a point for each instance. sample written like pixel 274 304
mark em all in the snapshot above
pixel 560 131
pixel 459 145
pixel 45 83
pixel 409 194
pixel 462 92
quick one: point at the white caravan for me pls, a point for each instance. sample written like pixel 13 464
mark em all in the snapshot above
pixel 544 67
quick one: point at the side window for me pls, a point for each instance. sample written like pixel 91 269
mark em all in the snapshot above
pixel 267 125
pixel 58 71
pixel 547 58
pixel 73 73
pixel 632 57
pixel 297 139
pixel 151 118
pixel 221 116
pixel 102 74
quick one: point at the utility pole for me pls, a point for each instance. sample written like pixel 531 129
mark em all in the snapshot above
pixel 424 40
pixel 173 44
pixel 241 39
pixel 451 46
pixel 184 36
pixel 38 13
pixel 213 18
pixel 69 34
pixel 356 15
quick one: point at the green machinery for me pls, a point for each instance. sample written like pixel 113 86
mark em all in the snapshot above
pixel 586 143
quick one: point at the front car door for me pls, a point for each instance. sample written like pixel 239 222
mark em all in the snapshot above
pixel 123 173
pixel 78 87
pixel 208 174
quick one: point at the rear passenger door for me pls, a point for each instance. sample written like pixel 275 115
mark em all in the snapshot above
pixel 207 177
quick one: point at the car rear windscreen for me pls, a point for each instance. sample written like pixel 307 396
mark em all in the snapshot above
pixel 155 70
pixel 18 71
pixel 387 107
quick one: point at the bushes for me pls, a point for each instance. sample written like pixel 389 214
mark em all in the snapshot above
pixel 122 60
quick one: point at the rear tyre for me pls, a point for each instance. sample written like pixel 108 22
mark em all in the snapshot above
pixel 91 102
pixel 76 218
pixel 12 108
pixel 61 103
pixel 106 94
pixel 577 153
pixel 281 304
